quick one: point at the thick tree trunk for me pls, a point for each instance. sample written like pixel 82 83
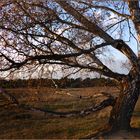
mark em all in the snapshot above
pixel 123 109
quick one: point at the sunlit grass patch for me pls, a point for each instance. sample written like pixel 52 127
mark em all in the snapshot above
pixel 19 123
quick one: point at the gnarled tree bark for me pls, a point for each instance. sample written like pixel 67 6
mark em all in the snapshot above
pixel 123 109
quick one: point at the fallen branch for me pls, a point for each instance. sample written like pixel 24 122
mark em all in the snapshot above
pixel 107 102
pixel 102 105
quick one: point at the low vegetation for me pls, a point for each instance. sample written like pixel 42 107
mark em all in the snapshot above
pixel 61 83
pixel 19 123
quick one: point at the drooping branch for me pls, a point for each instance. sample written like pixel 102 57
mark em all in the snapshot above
pixel 105 70
pixel 63 59
pixel 90 26
pixel 95 29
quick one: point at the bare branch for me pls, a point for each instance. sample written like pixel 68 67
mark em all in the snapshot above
pixel 95 29
pixel 106 8
pixel 61 57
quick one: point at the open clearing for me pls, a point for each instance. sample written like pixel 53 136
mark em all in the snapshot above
pixel 23 124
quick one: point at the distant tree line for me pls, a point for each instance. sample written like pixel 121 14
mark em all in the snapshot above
pixel 61 83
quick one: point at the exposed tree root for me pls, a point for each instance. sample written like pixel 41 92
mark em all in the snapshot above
pixel 105 103
pixel 102 105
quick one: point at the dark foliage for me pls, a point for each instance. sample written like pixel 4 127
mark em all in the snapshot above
pixel 61 83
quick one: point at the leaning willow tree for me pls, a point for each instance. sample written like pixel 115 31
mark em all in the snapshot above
pixel 74 33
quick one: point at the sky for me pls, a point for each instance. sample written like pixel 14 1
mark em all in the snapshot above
pixel 112 58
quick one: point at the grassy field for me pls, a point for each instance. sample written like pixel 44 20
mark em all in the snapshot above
pixel 19 123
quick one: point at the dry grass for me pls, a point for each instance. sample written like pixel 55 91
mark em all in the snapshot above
pixel 21 124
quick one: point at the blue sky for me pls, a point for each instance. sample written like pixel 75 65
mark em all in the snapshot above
pixel 113 58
